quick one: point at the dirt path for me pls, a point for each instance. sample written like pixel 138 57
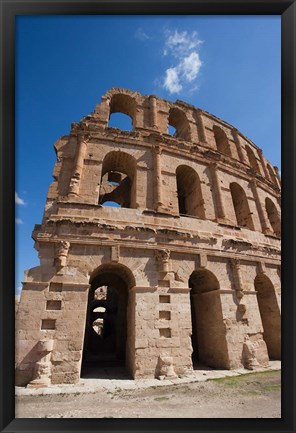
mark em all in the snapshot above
pixel 255 395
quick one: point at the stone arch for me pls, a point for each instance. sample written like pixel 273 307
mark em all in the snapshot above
pixel 189 192
pixel 273 216
pixel 241 206
pixel 118 181
pixel 252 159
pixel 221 139
pixel 125 104
pixel 177 118
pixel 108 331
pixel 270 315
pixel 208 330
pixel 271 174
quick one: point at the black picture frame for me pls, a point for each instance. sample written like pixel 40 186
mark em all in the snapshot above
pixel 9 10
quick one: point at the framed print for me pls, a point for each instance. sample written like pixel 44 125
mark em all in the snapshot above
pixel 149 295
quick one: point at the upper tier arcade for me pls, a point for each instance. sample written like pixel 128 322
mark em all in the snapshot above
pixel 206 170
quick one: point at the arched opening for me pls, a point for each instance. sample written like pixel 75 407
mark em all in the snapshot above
pixel 273 216
pixel 272 174
pixel 106 341
pixel 241 206
pixel 270 315
pixel 118 181
pixel 122 112
pixel 208 331
pixel 120 121
pixel 178 120
pixel 221 141
pixel 252 159
pixel 190 198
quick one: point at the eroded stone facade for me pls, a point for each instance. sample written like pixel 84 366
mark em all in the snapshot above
pixel 186 272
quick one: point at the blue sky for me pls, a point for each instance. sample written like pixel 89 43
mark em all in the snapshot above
pixel 229 66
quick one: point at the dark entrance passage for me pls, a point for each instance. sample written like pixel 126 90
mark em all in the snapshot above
pixel 105 342
pixel 208 331
pixel 270 315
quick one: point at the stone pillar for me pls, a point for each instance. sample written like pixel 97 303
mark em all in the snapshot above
pixel 166 368
pixel 61 253
pixel 157 178
pixel 217 191
pixel 163 259
pixel 77 173
pixel 266 174
pixel 238 283
pixel 238 144
pixel 264 223
pixel 153 111
pixel 277 175
pixel 201 126
pixel 42 371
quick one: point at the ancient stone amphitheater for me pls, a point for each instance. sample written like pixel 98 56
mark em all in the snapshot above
pixel 183 271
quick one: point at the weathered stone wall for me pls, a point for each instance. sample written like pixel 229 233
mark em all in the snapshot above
pixel 193 251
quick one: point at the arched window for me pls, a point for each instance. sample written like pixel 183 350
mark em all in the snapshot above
pixel 271 174
pixel 241 206
pixel 273 216
pixel 118 182
pixel 122 112
pixel 221 141
pixel 178 120
pixel 189 192
pixel 252 159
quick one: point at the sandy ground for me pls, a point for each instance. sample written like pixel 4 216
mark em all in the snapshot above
pixel 252 395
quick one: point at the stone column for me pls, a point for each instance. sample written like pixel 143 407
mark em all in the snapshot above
pixel 61 253
pixel 217 191
pixel 163 259
pixel 201 126
pixel 263 164
pixel 153 111
pixel 264 223
pixel 42 371
pixel 278 176
pixel 157 178
pixel 78 168
pixel 238 283
pixel 238 144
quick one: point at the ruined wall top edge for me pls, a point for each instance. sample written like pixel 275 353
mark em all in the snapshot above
pixel 195 129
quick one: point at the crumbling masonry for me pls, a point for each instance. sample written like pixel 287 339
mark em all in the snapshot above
pixel 184 272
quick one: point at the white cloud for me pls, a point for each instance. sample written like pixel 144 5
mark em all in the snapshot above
pixel 19 221
pixel 184 73
pixel 182 47
pixel 190 66
pixel 171 81
pixel 141 35
pixel 18 200
pixel 181 43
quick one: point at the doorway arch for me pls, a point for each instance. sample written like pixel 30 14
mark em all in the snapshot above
pixel 270 315
pixel 208 330
pixel 106 341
